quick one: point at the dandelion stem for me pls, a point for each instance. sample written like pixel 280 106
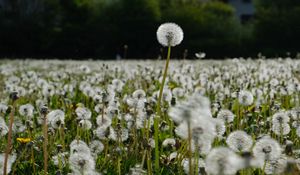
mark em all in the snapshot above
pixel 158 109
pixel 8 148
pixel 32 153
pixel 149 168
pixel 190 149
pixel 264 167
pixel 119 166
pixel 163 82
pixel 45 144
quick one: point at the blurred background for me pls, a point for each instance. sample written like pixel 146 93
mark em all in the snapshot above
pixel 109 29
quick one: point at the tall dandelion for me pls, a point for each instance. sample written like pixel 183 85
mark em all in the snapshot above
pixel 168 35
pixel 14 97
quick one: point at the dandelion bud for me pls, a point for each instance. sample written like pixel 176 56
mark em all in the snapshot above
pixel 14 95
pixel 44 110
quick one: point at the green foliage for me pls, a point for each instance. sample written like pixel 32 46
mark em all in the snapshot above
pixel 101 28
pixel 277 25
pixel 127 22
pixel 210 26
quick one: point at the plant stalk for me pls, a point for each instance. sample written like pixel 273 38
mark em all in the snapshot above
pixel 45 144
pixel 8 148
pixel 158 109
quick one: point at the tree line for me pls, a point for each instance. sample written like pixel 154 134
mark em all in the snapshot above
pixel 127 28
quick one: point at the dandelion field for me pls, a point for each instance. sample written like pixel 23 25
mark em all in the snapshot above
pixel 217 117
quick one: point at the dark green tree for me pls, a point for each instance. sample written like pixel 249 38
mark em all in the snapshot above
pixel 277 26
pixel 210 27
pixel 127 22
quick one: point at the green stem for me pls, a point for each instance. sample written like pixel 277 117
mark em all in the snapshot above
pixel 158 109
pixel 264 167
pixel 45 144
pixel 119 166
pixel 190 149
pixel 163 82
pixel 8 148
pixel 18 160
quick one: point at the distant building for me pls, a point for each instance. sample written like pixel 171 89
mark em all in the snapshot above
pixel 2 3
pixel 244 9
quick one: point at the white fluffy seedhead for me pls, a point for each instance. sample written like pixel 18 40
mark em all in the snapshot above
pixel 169 34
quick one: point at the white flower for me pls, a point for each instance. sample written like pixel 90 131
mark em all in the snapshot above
pixel 79 146
pixel 222 161
pixel 220 127
pixel 81 163
pixel 267 149
pixel 122 135
pixel 226 115
pixel 277 166
pixel 245 98
pixel 280 118
pixel 3 108
pixel 239 141
pixel 185 163
pixel 60 158
pixel 3 127
pixel 281 129
pixel 100 132
pixel 103 121
pixel 85 124
pixel 56 118
pixel 169 141
pixel 26 110
pixel 11 160
pixel 83 113
pixel 169 34
pixel 96 147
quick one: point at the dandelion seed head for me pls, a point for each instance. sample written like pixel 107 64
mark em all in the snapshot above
pixel 169 142
pixel 239 141
pixel 100 132
pixel 81 163
pixel 60 158
pixel 185 163
pixel 280 118
pixel 222 160
pixel 85 124
pixel 121 135
pixel 226 115
pixel 3 127
pixel 245 98
pixel 281 129
pixel 3 108
pixel 26 110
pixel 56 118
pixel 103 121
pixel 220 127
pixel 267 149
pixel 277 166
pixel 80 147
pixel 83 113
pixel 11 160
pixel 169 34
pixel 96 147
